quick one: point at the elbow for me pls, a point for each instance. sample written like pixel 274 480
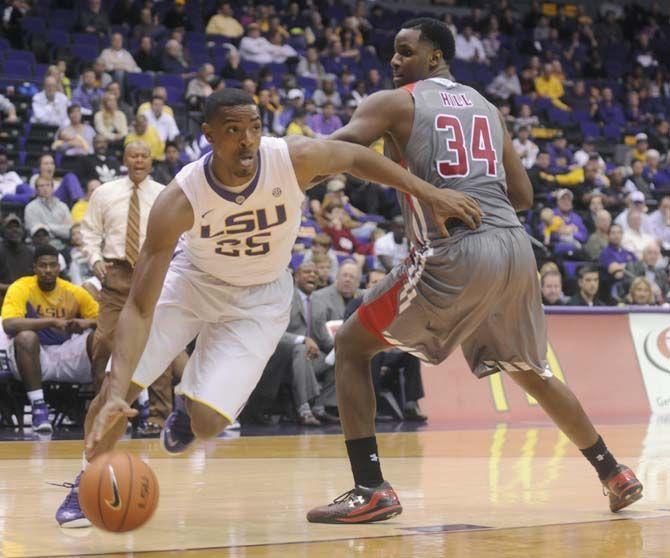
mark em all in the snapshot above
pixel 10 327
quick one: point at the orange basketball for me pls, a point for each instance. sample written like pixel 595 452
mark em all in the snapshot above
pixel 118 492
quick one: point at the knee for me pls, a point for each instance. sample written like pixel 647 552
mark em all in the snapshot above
pixel 205 422
pixel 348 344
pixel 27 341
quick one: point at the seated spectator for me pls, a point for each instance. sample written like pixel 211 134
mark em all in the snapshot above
pixel 224 23
pixel 48 210
pixel 505 85
pixel 469 48
pixel 283 52
pixel 148 134
pixel 79 209
pixel 87 95
pixel 587 152
pixel 145 57
pixel 109 121
pixel 322 246
pixel 50 105
pixel 609 110
pixel 325 123
pixel 525 119
pixel 12 15
pixel 75 138
pixel 115 89
pixel 40 236
pixel 335 222
pixel 68 188
pixel 640 293
pixel 651 268
pixel 548 85
pixel 295 99
pixel 148 26
pixel 310 65
pixel 79 271
pixel 574 225
pixel 614 257
pixel 118 59
pixel 637 182
pixel 653 172
pixel 200 87
pixel 177 18
pixel 600 237
pixel 579 99
pixel 659 137
pixel 161 92
pixel 525 148
pixel 551 285
pixel 308 339
pixel 552 225
pixel 162 120
pixel 233 69
pixel 639 152
pixel 298 125
pixel 100 165
pixel 658 224
pixel 102 78
pixel 595 205
pixel 634 239
pixel 588 283
pixel 165 171
pixel 43 347
pixel 392 248
pixel 324 270
pixel 256 48
pixel 634 201
pixel 16 257
pixel 327 92
pixel 93 18
pixel 9 180
pixel 7 108
pixel 173 60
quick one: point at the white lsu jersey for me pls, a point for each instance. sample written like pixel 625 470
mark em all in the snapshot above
pixel 243 238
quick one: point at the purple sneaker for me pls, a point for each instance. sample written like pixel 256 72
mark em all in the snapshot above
pixel 177 435
pixel 41 417
pixel 69 514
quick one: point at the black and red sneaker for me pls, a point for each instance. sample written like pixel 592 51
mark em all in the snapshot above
pixel 623 488
pixel 359 505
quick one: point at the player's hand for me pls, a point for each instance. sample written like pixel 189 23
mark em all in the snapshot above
pixel 112 410
pixel 75 325
pixel 451 204
pixel 313 350
pixel 60 325
pixel 100 270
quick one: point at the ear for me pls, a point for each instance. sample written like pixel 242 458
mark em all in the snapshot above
pixel 435 58
pixel 207 132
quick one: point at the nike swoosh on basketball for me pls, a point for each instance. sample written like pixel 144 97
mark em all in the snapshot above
pixel 116 504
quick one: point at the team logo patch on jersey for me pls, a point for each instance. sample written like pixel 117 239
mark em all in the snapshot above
pixel 276 192
pixel 239 200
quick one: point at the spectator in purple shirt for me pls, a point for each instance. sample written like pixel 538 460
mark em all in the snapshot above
pixel 613 258
pixel 326 122
pixel 87 95
pixel 609 111
pixel 559 148
pixel 564 210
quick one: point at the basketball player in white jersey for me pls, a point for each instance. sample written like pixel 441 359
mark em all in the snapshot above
pixel 233 217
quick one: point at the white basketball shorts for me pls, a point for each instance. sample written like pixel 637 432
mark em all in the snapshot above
pixel 238 329
pixel 67 362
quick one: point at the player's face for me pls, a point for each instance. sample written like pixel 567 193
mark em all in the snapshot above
pixel 235 134
pixel 47 270
pixel 413 59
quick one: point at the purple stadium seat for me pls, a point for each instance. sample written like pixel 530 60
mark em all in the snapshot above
pixel 139 80
pixel 84 52
pixel 558 116
pixel 33 25
pixel 174 81
pixel 612 132
pixel 88 39
pixel 58 37
pixel 590 129
pixel 22 56
pixel 250 67
pixel 62 19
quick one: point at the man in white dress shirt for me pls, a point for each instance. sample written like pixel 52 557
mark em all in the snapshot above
pixel 50 105
pixel 159 118
pixel 113 232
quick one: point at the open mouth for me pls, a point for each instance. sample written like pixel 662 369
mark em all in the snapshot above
pixel 246 160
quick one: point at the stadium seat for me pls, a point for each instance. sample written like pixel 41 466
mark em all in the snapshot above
pixel 62 19
pixel 33 25
pixel 558 117
pixel 88 39
pixel 139 80
pixel 612 132
pixel 4 43
pixel 23 56
pixel 58 37
pixel 84 52
pixel 174 81
pixel 590 129
pixel 250 67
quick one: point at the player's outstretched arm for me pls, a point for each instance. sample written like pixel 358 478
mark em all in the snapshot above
pixel 324 157
pixel 519 188
pixel 170 216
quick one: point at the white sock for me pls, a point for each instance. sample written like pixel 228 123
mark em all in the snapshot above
pixel 35 395
pixel 143 397
pixel 84 461
pixel 304 408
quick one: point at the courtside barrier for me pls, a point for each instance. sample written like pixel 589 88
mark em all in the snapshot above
pixel 617 361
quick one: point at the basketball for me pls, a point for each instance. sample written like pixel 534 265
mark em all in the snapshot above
pixel 118 492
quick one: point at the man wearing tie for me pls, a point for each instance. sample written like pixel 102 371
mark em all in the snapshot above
pixel 113 230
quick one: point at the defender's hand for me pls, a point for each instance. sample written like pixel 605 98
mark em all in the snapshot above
pixel 451 204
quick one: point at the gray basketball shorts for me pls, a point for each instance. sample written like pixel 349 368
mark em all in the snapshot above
pixel 480 291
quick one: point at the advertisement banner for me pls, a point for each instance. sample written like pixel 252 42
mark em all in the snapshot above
pixel 651 337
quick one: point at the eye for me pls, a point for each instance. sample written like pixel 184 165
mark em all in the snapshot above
pixel 233 129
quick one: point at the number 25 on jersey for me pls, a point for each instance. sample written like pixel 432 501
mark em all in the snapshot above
pixel 480 149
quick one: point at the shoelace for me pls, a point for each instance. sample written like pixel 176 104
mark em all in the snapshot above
pixel 71 495
pixel 344 497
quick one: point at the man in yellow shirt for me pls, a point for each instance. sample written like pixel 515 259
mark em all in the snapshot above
pixel 548 85
pixel 144 132
pixel 223 23
pixel 79 209
pixel 50 321
pixel 161 92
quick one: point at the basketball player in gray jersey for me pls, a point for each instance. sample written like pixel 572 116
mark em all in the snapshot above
pixel 476 288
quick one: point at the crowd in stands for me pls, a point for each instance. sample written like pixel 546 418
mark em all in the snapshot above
pixel 585 97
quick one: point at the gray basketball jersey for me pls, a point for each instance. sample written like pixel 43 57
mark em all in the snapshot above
pixel 456 142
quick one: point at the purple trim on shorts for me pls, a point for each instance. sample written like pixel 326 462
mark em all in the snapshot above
pixel 226 194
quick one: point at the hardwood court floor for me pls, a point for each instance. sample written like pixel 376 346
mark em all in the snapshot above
pixel 503 492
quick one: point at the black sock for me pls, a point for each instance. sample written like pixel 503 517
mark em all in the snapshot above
pixel 601 458
pixel 364 461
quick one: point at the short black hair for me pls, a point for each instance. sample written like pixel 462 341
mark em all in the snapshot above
pixel 44 250
pixel 436 33
pixel 171 144
pixel 228 97
pixel 588 268
pixel 73 107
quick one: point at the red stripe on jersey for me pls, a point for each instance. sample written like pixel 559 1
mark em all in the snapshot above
pixel 380 313
pixel 410 87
